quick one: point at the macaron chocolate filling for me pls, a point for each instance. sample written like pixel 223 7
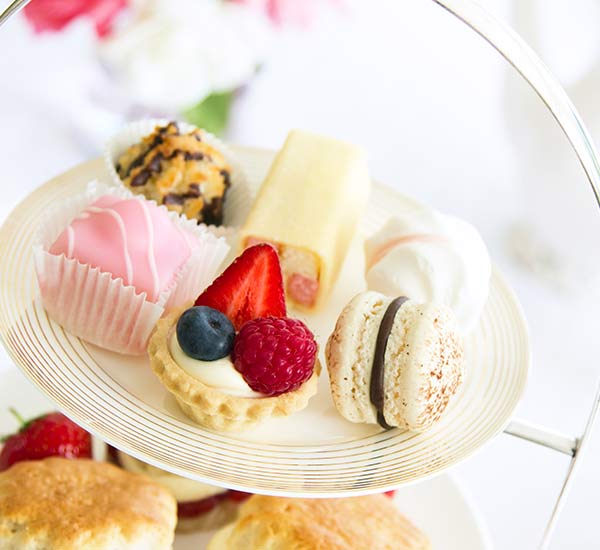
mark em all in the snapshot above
pixel 376 388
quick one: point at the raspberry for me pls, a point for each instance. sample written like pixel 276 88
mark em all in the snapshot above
pixel 274 354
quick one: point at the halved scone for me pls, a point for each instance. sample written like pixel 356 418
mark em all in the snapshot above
pixel 355 523
pixel 57 503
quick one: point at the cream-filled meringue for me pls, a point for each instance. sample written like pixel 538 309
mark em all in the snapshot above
pixel 431 257
pixel 219 374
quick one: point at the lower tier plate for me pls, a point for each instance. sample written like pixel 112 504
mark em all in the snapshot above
pixel 439 506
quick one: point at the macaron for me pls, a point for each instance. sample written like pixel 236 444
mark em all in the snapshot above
pixel 394 361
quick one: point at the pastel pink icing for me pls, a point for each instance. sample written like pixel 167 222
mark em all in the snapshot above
pixel 131 239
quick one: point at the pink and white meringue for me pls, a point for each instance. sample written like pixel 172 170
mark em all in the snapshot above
pixel 431 257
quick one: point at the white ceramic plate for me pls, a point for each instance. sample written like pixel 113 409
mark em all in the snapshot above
pixel 314 452
pixel 438 506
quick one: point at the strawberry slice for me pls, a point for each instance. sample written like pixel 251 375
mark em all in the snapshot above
pixel 48 435
pixel 251 287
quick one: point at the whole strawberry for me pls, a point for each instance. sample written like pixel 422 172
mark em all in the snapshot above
pixel 251 287
pixel 52 434
pixel 275 354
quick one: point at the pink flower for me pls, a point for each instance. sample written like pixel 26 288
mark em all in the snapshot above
pixel 282 12
pixel 54 15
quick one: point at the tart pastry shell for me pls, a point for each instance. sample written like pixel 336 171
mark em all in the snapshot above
pixel 211 407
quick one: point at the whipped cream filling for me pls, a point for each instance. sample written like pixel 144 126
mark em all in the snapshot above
pixel 219 374
pixel 183 489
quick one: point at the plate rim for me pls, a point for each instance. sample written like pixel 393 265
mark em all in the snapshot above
pixel 9 225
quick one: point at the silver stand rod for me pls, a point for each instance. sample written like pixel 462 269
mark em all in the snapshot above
pixel 13 8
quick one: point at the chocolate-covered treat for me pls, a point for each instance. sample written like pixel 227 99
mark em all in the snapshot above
pixel 181 171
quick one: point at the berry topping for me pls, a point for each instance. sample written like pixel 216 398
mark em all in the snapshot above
pixel 238 496
pixel 197 508
pixel 205 333
pixel 275 354
pixel 390 494
pixel 251 287
pixel 49 435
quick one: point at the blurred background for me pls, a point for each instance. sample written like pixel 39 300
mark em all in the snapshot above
pixel 444 118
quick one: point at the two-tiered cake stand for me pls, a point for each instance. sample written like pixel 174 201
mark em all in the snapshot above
pixel 314 453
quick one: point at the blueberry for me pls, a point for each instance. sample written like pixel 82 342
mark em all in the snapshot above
pixel 205 333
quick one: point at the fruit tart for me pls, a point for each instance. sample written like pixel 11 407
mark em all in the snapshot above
pixel 234 358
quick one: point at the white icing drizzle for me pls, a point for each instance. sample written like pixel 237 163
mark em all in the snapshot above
pixel 70 241
pixel 117 217
pixel 151 255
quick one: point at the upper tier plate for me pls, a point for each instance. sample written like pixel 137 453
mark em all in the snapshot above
pixel 315 452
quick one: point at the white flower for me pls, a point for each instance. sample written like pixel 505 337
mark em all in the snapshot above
pixel 173 53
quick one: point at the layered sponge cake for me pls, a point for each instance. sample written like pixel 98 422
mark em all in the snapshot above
pixel 308 208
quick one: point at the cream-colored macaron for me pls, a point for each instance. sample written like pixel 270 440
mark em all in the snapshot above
pixel 394 361
pixel 61 504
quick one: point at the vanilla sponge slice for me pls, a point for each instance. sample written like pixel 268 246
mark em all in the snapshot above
pixel 394 361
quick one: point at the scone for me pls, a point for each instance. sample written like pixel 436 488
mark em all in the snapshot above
pixel 200 507
pixel 394 361
pixel 180 170
pixel 358 523
pixel 235 358
pixel 431 257
pixel 308 208
pixel 61 504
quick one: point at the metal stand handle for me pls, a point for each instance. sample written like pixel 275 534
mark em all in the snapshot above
pixel 543 436
pixel 573 447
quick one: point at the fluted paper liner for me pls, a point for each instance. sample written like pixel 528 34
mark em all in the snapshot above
pixel 101 309
pixel 238 199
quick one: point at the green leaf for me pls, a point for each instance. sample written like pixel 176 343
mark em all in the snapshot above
pixel 212 113
pixel 23 424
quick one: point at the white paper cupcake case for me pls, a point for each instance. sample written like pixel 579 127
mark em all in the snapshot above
pixel 100 309
pixel 238 200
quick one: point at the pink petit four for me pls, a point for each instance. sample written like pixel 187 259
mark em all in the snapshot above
pixel 132 239
pixel 109 265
